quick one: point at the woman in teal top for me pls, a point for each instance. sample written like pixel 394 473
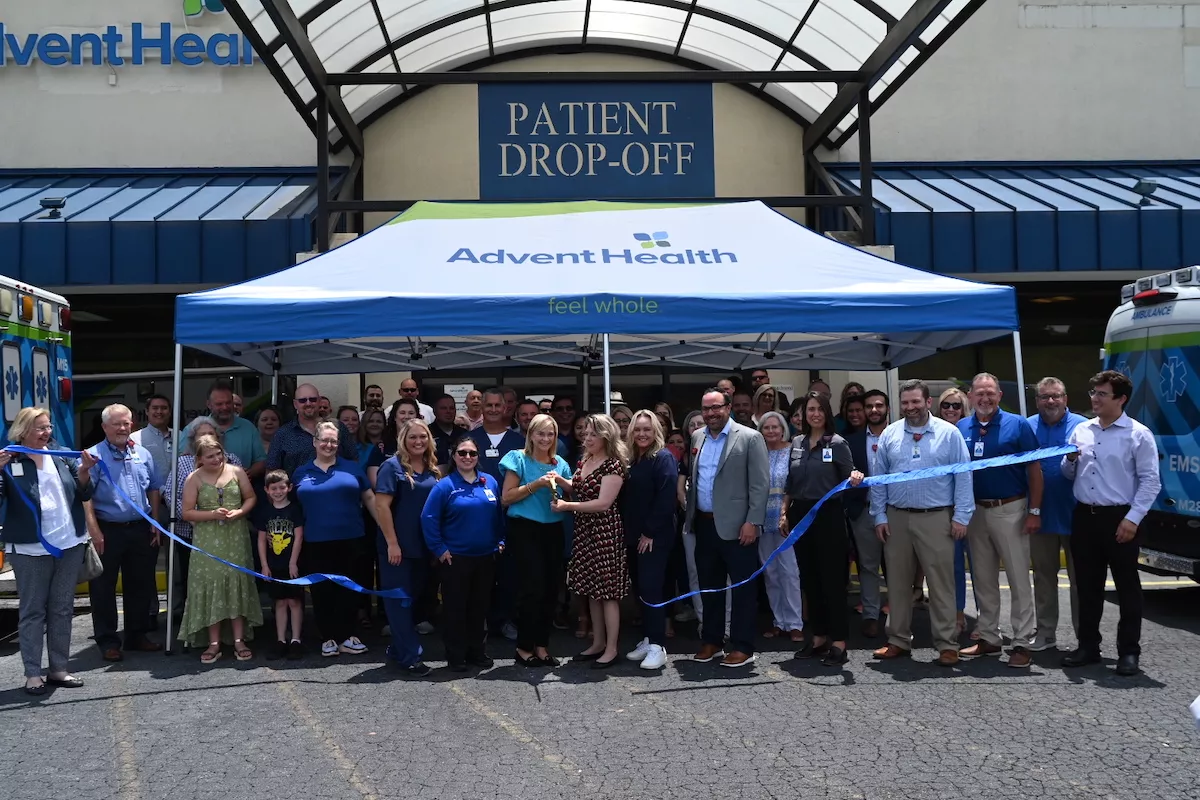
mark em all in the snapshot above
pixel 535 536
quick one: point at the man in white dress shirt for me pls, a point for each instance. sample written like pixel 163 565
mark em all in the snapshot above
pixel 1116 482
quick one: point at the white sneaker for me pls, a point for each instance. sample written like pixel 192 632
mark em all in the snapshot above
pixel 352 646
pixel 687 615
pixel 639 652
pixel 1041 643
pixel 656 657
pixel 329 648
pixel 425 628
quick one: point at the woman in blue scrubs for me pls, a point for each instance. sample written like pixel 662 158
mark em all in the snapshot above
pixel 401 488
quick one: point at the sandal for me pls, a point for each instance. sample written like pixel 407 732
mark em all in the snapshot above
pixel 211 654
pixel 240 651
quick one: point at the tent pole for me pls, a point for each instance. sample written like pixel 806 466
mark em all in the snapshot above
pixel 607 379
pixel 176 418
pixel 275 386
pixel 1020 373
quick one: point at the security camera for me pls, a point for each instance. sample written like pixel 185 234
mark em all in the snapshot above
pixel 54 205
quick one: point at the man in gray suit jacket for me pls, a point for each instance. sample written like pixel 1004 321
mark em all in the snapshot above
pixel 726 505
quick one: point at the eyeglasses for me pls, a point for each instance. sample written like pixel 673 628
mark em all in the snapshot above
pixel 564 408
pixel 409 391
pixel 1098 393
pixel 43 428
pixel 467 453
pixel 710 409
pixel 1058 396
pixel 330 442
pixel 948 405
pixel 306 400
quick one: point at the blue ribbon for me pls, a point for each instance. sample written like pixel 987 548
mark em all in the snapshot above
pixel 37 514
pixel 304 580
pixel 883 480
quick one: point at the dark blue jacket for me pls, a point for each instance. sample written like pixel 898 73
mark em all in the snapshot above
pixel 20 524
pixel 649 498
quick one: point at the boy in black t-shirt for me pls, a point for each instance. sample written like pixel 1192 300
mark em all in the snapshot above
pixel 280 526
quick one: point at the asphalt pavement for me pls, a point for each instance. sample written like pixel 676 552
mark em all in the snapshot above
pixel 158 726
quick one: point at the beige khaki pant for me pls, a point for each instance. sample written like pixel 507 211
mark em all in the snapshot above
pixel 998 535
pixel 1045 547
pixel 923 538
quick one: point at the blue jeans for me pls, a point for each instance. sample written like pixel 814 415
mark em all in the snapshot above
pixel 408 575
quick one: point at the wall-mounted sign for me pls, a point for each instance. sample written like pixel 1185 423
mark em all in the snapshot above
pixel 145 44
pixel 595 140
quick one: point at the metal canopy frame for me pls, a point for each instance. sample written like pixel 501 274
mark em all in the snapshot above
pixel 286 42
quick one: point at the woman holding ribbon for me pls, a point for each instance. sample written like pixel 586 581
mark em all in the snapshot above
pixel 44 537
pixel 820 460
pixel 217 497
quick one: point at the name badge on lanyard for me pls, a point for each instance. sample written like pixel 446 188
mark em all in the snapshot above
pixel 492 453
pixel 827 455
pixel 916 452
pixel 18 469
pixel 979 449
pixel 489 495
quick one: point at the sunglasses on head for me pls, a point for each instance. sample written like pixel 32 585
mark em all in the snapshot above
pixel 307 400
pixel 948 404
pixel 467 453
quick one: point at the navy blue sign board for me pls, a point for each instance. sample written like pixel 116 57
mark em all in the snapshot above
pixel 595 141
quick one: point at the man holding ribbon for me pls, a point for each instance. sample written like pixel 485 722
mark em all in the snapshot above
pixel 125 540
pixel 921 518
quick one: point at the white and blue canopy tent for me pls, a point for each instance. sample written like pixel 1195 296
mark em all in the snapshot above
pixel 716 286
pixel 570 285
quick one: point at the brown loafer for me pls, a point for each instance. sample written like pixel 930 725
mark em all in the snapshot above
pixel 1019 658
pixel 870 628
pixel 707 653
pixel 947 658
pixel 113 654
pixel 980 648
pixel 737 659
pixel 890 650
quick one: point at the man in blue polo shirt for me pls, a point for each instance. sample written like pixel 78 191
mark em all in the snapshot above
pixel 1008 507
pixel 1052 426
pixel 126 542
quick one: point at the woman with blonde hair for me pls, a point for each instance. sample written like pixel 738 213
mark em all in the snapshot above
pixel 598 569
pixel 648 513
pixel 45 537
pixel 953 405
pixel 622 415
pixel 535 536
pixel 401 488
pixel 217 497
pixel 766 398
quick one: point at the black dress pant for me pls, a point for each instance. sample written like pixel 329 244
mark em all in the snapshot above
pixel 466 596
pixel 335 607
pixel 652 579
pixel 822 554
pixel 718 560
pixel 535 549
pixel 1095 549
pixel 129 555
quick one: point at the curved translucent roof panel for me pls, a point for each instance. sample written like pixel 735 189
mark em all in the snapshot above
pixel 885 41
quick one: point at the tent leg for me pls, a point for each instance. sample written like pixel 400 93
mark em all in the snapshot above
pixel 176 418
pixel 607 379
pixel 1020 373
pixel 274 387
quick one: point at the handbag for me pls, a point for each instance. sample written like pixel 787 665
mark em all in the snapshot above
pixel 92 567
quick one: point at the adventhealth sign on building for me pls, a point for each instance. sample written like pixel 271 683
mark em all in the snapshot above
pixel 145 44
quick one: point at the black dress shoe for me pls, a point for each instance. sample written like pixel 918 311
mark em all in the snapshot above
pixel 808 651
pixel 483 662
pixel 835 657
pixel 69 682
pixel 598 664
pixel 457 666
pixel 1127 665
pixel 36 691
pixel 550 661
pixel 1081 657
pixel 587 656
pixel 417 670
pixel 532 661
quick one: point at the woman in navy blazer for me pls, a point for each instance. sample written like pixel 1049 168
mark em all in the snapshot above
pixel 648 502
pixel 44 536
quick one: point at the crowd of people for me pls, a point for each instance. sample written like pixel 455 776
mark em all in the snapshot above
pixel 516 516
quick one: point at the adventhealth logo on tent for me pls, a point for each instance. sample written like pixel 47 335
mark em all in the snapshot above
pixel 648 241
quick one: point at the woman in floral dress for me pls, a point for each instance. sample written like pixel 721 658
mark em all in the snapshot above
pixel 598 569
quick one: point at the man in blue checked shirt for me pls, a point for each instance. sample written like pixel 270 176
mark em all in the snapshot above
pixel 1052 426
pixel 922 518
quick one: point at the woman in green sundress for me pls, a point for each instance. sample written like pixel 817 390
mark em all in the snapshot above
pixel 217 499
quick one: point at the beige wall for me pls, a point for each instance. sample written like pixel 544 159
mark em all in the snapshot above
pixel 428 148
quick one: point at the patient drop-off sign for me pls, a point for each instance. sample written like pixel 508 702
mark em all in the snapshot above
pixel 595 141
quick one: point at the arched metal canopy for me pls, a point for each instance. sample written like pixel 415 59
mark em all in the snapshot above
pixel 810 57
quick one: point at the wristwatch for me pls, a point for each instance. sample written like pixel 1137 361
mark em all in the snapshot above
pixel 1037 512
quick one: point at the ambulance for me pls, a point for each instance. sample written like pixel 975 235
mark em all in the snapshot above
pixel 1154 339
pixel 35 357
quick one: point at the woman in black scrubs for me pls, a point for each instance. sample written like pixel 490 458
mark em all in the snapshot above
pixel 820 460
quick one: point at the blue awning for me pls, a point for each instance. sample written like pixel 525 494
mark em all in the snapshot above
pixel 154 226
pixel 962 218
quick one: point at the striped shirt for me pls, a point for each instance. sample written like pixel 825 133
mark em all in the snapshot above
pixel 902 449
